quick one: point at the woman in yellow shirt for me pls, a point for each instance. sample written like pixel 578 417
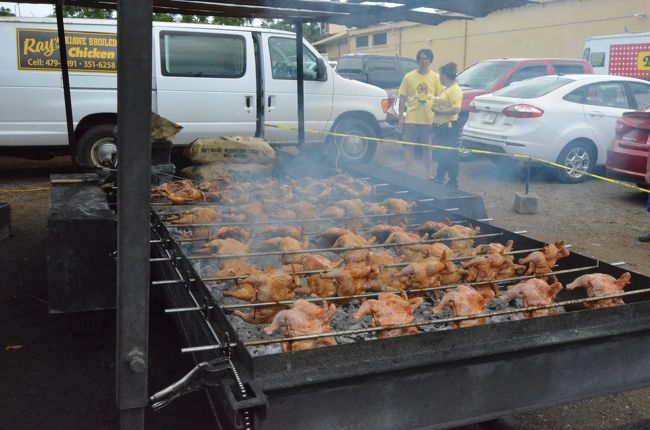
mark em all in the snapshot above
pixel 446 126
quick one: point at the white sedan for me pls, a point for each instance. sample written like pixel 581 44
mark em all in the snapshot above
pixel 568 119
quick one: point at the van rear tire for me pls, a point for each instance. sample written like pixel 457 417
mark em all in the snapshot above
pixel 97 148
pixel 353 149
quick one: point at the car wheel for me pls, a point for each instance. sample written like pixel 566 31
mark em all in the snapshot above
pixel 97 148
pixel 580 157
pixel 355 149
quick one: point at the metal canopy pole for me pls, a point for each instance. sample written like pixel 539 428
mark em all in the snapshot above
pixel 63 54
pixel 134 30
pixel 300 82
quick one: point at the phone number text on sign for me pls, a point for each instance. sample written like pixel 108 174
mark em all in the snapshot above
pixel 87 52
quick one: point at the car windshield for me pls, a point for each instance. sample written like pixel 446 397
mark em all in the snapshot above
pixel 484 75
pixel 533 88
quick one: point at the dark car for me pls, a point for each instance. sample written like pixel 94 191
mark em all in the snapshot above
pixel 384 71
pixel 627 156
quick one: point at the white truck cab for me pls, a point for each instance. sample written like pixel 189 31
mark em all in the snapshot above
pixel 212 80
pixel 626 54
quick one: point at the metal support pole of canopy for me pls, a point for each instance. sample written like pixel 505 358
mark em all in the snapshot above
pixel 63 54
pixel 134 29
pixel 300 82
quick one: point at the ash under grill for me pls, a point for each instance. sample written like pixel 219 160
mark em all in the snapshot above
pixel 401 359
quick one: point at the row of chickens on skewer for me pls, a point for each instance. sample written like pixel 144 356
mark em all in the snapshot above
pixel 227 190
pixel 417 266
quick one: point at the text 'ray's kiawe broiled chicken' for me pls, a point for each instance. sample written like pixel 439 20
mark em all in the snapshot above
pixel 600 284
pixel 534 292
pixel 304 318
pixel 390 309
pixel 464 301
pixel 541 262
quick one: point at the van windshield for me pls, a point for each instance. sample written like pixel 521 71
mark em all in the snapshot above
pixel 484 75
pixel 533 88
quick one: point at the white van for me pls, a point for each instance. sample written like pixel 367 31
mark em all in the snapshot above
pixel 212 80
pixel 626 54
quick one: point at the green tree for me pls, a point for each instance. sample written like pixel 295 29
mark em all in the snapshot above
pixel 5 11
pixel 311 31
pixel 87 12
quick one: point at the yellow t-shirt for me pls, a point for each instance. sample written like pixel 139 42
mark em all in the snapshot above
pixel 452 96
pixel 419 91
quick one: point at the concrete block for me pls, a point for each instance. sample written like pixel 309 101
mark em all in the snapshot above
pixel 526 203
pixel 5 220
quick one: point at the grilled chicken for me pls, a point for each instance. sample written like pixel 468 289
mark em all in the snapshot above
pixel 236 267
pixel 374 209
pixel 398 206
pixel 225 247
pixel 542 262
pixel 334 211
pixel 352 240
pixel 326 238
pixel 316 285
pixel 178 192
pixel 387 278
pixel 304 210
pixel 493 248
pixel 353 279
pixel 463 301
pixel 491 267
pixel 304 318
pixel 431 227
pixel 534 292
pixel 600 284
pixel 422 274
pixel 254 212
pixel 410 252
pixel 350 186
pixel 382 231
pixel 282 231
pixel 286 244
pixel 390 309
pixel 232 232
pixel 195 216
pixel 457 232
pixel 352 208
pixel 272 285
pixel 315 191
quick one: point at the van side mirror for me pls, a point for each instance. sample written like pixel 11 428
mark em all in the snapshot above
pixel 321 70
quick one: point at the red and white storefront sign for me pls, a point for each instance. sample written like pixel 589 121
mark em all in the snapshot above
pixel 630 60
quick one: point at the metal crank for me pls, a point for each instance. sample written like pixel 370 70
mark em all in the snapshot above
pixel 217 373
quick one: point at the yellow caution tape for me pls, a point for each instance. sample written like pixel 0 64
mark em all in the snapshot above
pixel 473 151
pixel 25 190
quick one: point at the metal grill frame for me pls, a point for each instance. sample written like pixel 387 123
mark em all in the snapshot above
pixel 420 381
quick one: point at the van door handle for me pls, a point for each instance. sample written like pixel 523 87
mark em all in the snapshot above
pixel 249 103
pixel 596 113
pixel 270 102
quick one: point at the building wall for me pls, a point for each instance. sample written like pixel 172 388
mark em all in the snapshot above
pixel 553 28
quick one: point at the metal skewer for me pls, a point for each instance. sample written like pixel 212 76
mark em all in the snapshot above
pixel 349 248
pixel 443 320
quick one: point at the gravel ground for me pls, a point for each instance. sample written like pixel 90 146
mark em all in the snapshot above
pixel 599 220
pixel 54 380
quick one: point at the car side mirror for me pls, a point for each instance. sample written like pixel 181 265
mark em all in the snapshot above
pixel 321 70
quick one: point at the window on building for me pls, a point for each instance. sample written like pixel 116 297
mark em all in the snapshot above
pixel 362 41
pixel 203 55
pixel 379 39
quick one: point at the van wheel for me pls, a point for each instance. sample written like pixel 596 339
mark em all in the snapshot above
pixel 97 148
pixel 580 157
pixel 355 149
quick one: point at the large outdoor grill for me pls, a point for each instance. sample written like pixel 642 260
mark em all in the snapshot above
pixel 439 378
